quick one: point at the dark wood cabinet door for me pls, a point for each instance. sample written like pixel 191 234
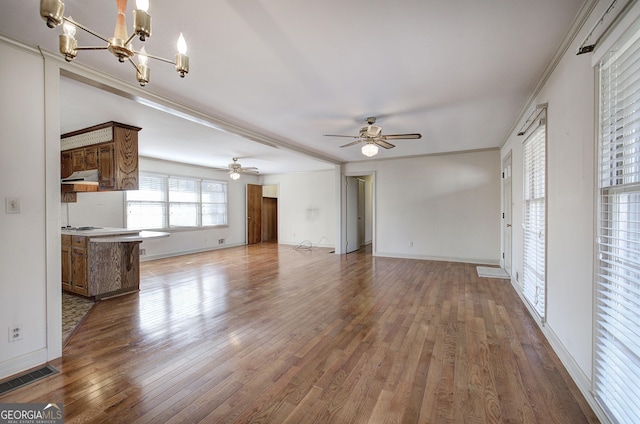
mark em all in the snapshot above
pixel 91 157
pixel 66 167
pixel 79 271
pixel 106 167
pixel 77 160
pixel 66 263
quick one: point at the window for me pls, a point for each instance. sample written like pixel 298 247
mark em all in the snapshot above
pixel 533 272
pixel 176 202
pixel 617 279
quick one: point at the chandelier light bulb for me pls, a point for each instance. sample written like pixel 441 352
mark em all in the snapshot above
pixel 182 45
pixel 69 28
pixel 369 150
pixel 142 5
pixel 52 11
pixel 143 59
pixel 234 175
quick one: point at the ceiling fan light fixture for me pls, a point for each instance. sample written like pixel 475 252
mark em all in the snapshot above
pixel 234 175
pixel 369 150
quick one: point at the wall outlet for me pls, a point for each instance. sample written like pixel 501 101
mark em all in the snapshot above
pixel 410 244
pixel 221 241
pixel 143 252
pixel 15 333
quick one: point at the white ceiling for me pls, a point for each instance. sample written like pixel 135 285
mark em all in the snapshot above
pixel 458 72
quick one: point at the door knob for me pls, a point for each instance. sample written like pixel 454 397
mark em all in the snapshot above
pixel 508 225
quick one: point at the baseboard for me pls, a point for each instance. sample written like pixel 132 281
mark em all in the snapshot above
pixel 187 252
pixel 22 363
pixel 483 261
pixel 572 367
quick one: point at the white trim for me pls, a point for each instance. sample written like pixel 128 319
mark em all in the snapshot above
pixel 22 363
pixel 610 39
pixel 478 261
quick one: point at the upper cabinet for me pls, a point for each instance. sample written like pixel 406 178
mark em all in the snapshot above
pixel 110 148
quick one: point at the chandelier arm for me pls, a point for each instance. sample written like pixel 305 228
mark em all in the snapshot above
pixel 162 59
pixel 131 37
pixel 84 28
pixel 134 64
pixel 92 48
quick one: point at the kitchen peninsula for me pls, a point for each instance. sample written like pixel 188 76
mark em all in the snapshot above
pixel 101 262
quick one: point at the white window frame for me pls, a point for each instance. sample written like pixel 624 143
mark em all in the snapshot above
pixel 616 364
pixel 166 202
pixel 534 217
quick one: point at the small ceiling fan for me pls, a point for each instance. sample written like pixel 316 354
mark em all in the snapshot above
pixel 235 169
pixel 372 136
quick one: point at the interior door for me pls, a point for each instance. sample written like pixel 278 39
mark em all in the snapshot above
pixel 351 243
pixel 361 212
pixel 506 210
pixel 254 213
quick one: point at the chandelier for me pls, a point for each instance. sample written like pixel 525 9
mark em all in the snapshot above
pixel 119 45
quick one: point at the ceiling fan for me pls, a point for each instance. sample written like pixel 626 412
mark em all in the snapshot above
pixel 372 136
pixel 235 169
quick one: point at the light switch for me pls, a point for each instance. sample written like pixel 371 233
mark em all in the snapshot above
pixel 12 204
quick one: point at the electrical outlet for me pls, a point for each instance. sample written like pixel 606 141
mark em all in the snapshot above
pixel 15 333
pixel 410 244
pixel 143 252
pixel 221 241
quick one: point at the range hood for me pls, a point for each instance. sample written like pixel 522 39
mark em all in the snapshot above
pixel 89 177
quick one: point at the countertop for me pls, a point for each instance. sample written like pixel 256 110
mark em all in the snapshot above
pixel 96 231
pixel 112 235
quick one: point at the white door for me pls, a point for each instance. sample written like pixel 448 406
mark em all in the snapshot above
pixel 506 211
pixel 351 243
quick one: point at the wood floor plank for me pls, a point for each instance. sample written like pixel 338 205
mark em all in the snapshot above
pixel 267 334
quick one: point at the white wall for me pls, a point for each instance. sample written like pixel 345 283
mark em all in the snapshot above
pixel 107 209
pixel 571 97
pixel 186 241
pixel 24 271
pixel 443 207
pixel 307 207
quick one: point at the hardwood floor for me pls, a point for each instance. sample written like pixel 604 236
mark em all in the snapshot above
pixel 267 334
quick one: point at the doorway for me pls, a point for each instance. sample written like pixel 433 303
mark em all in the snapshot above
pixel 358 228
pixel 262 213
pixel 507 206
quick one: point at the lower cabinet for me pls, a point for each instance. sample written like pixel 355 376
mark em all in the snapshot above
pixel 74 264
pixel 99 269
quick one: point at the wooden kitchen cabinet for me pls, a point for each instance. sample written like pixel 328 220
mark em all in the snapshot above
pixel 66 263
pixel 74 264
pixel 91 157
pixel 79 265
pixel 106 167
pixel 77 160
pixel 95 266
pixel 111 148
pixel 66 167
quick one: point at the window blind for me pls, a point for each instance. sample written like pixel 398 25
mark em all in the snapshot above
pixel 617 308
pixel 163 202
pixel 534 219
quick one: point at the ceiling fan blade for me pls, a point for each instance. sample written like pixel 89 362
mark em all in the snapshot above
pixel 401 136
pixel 335 135
pixel 380 142
pixel 352 143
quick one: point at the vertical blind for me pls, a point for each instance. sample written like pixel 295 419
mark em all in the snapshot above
pixel 534 219
pixel 617 327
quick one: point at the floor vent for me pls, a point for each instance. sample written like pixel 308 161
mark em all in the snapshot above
pixel 24 379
